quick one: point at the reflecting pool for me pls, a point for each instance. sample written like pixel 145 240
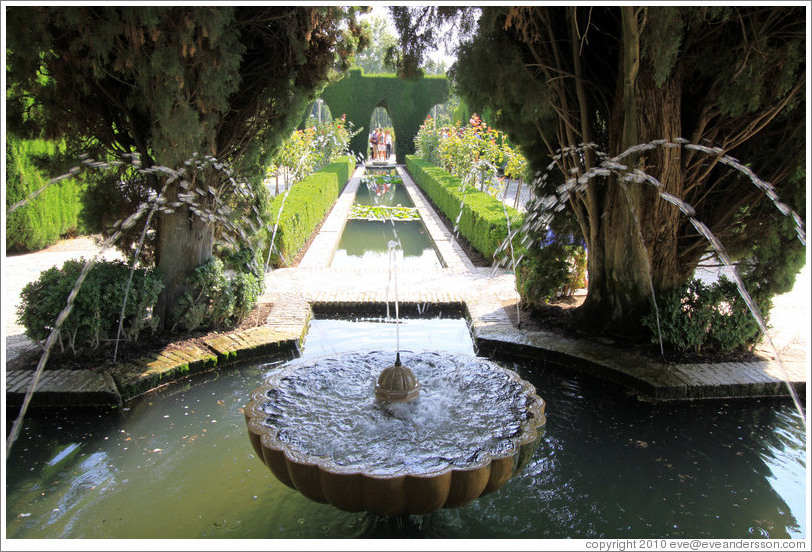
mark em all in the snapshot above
pixel 177 463
pixel 382 190
pixel 366 244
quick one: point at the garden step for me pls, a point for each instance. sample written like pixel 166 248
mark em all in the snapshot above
pixel 63 388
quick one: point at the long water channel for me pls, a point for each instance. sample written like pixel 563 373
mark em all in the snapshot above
pixel 177 462
pixel 365 240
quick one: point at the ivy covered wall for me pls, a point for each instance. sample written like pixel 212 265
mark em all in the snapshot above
pixel 407 101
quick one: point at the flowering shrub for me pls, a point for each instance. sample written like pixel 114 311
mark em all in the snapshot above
pixel 309 150
pixel 427 142
pixel 478 154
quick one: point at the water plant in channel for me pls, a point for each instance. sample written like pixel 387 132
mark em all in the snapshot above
pixel 383 213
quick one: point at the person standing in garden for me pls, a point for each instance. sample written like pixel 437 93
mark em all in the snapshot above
pixel 373 143
pixel 388 143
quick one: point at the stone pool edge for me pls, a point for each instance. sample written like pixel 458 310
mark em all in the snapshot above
pixel 112 385
pixel 115 384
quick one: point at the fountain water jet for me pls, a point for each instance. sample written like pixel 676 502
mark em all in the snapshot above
pixel 608 165
pixel 352 431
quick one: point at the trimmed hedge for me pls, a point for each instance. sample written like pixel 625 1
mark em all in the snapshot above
pixel 407 102
pixel 97 306
pixel 51 214
pixel 305 207
pixel 483 221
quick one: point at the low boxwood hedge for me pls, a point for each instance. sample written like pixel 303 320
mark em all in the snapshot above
pixel 483 221
pixel 305 207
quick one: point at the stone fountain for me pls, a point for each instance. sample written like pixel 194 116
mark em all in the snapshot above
pixel 403 440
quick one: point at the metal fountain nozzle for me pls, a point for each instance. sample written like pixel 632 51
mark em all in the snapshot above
pixel 397 383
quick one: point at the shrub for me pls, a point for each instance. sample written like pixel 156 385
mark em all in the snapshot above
pixel 51 214
pixel 94 317
pixel 215 298
pixel 697 316
pixel 553 270
pixel 482 218
pixel 304 207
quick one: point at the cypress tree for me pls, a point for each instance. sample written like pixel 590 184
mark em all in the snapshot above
pixel 169 82
pixel 728 77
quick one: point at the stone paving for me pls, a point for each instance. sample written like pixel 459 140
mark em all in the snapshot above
pixel 482 292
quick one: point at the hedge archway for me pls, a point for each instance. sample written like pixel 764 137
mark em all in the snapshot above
pixel 407 102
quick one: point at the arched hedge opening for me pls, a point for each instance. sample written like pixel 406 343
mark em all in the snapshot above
pixel 407 102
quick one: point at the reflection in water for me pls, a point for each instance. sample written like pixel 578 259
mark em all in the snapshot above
pixel 383 190
pixel 178 464
pixel 365 243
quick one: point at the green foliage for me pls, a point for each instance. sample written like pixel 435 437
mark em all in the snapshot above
pixel 407 101
pixel 698 316
pixel 168 82
pixel 373 59
pixel 54 212
pixel 215 298
pixel 553 270
pixel 302 209
pixel 247 277
pixel 94 318
pixel 482 220
pixel 772 261
pixel 667 25
pixel 422 28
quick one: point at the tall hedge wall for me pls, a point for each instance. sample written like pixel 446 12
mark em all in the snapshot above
pixel 483 221
pixel 407 101
pixel 53 213
pixel 305 207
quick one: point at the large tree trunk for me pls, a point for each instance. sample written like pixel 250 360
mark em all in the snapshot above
pixel 632 245
pixel 185 241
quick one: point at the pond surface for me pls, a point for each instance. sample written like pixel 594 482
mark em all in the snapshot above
pixel 177 463
pixel 382 190
pixel 366 244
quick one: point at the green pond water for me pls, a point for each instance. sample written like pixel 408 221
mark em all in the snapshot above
pixel 177 463
pixel 366 244
pixel 382 190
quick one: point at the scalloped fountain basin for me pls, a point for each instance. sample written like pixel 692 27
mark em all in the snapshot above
pixel 318 427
